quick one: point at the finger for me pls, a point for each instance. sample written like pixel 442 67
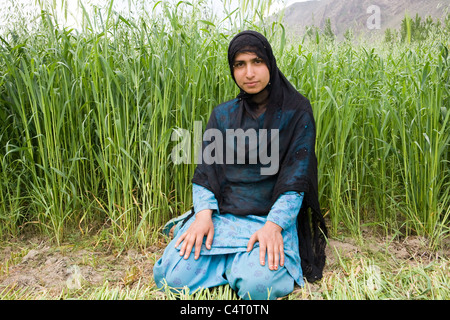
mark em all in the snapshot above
pixel 183 245
pixel 281 255
pixel 181 238
pixel 276 257
pixel 270 257
pixel 189 246
pixel 198 246
pixel 251 242
pixel 262 253
pixel 209 238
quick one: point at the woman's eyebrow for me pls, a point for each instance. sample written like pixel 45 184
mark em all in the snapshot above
pixel 254 59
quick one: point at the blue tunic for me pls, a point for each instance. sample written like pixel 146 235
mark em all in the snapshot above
pixel 232 232
pixel 228 260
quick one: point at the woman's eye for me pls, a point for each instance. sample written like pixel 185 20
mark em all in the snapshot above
pixel 238 65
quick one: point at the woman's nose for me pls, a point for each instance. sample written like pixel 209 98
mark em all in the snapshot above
pixel 250 72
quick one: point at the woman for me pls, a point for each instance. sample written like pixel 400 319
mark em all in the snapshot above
pixel 247 229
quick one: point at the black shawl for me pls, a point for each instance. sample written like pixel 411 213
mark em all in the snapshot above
pixel 240 188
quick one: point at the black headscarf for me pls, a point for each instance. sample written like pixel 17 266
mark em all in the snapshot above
pixel 241 189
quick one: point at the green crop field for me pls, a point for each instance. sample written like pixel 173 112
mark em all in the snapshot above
pixel 87 114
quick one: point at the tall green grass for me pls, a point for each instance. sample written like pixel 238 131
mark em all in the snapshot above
pixel 383 134
pixel 87 116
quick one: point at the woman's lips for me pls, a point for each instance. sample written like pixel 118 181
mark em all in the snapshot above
pixel 251 84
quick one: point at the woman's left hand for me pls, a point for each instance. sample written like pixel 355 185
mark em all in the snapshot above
pixel 270 241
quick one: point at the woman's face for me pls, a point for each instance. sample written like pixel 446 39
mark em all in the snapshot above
pixel 250 72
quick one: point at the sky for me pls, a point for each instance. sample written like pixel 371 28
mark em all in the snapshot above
pixel 74 11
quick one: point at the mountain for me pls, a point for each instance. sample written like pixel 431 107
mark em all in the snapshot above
pixel 354 14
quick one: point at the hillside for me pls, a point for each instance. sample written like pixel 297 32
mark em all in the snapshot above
pixel 345 14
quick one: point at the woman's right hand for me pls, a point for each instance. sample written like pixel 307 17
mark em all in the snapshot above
pixel 193 237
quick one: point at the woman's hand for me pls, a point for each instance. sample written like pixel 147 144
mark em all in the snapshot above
pixel 270 241
pixel 202 226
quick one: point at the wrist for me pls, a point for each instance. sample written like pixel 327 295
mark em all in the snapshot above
pixel 273 225
pixel 206 213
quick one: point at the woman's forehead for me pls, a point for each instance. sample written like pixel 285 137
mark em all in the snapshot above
pixel 245 56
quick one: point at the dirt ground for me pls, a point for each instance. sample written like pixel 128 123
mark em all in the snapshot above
pixel 41 267
pixel 36 265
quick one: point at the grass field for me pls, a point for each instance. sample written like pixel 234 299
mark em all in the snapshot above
pixel 87 115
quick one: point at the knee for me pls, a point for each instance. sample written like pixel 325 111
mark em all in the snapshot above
pixel 252 289
pixel 268 286
pixel 159 273
pixel 166 275
pixel 177 277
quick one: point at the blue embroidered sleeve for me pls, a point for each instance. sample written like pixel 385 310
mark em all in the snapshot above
pixel 285 210
pixel 203 199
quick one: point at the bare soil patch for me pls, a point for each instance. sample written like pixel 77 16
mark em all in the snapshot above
pixel 36 265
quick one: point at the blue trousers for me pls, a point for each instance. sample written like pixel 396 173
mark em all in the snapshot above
pixel 241 270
